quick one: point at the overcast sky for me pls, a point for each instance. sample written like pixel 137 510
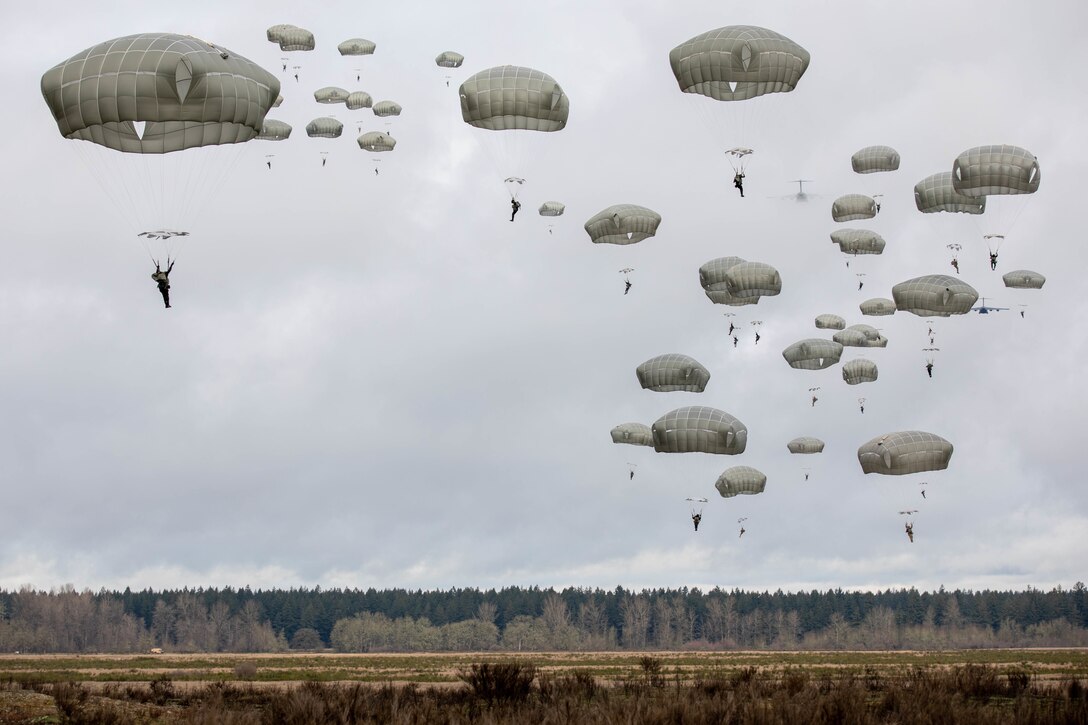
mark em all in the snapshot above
pixel 380 381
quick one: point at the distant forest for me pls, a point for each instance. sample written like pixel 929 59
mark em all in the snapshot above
pixel 534 619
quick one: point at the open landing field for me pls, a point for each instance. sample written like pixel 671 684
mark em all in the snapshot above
pixel 1042 685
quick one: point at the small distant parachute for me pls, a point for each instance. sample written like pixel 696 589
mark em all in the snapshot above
pixel 357 100
pixel 357 46
pixel 858 241
pixel 1023 279
pixel 877 307
pixel 934 295
pixel 853 206
pixel 324 127
pixel 858 371
pixel 671 372
pixel 331 94
pixel 622 224
pixel 635 434
pixel 860 336
pixel 829 322
pixel 552 208
pixel 812 354
pixel 699 429
pixel 740 480
pixel 376 141
pixel 997 169
pixel 449 59
pixel 291 37
pixel 273 130
pixel 383 109
pixel 904 452
pixel 874 159
pixel 806 445
pixel 936 194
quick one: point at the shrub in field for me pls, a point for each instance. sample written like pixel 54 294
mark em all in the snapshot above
pixel 162 690
pixel 652 671
pixel 500 681
pixel 245 671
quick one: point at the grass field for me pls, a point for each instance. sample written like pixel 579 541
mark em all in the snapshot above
pixel 1041 685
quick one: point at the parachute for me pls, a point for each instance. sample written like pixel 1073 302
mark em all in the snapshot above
pixel 324 127
pixel 376 141
pixel 752 280
pixel 273 130
pixel 635 434
pixel 936 194
pixel 279 102
pixel 513 100
pixel 877 307
pixel 290 37
pixel 740 480
pixel 815 353
pixel 858 241
pixel 829 322
pixel 699 429
pixel 551 208
pixel 874 159
pixel 331 94
pixel 858 371
pixel 712 277
pixel 670 372
pixel 806 445
pixel 736 63
pixel 990 170
pixel 903 452
pixel 860 336
pixel 853 206
pixel 449 59
pixel 357 46
pixel 1024 279
pixel 622 224
pixel 357 100
pixel 159 106
pixel 383 109
pixel 934 295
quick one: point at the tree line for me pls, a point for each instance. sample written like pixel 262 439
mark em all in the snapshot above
pixel 516 618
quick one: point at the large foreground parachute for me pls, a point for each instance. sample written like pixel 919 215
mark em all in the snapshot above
pixel 874 159
pixel 738 62
pixel 740 480
pixel 699 429
pixel 815 353
pixel 184 93
pixel 990 170
pixel 159 106
pixel 671 372
pixel 734 66
pixel 622 224
pixel 934 295
pixel 903 452
pixel 635 434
